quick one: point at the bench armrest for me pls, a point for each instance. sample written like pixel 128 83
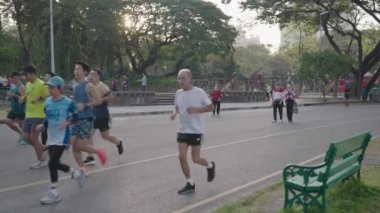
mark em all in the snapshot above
pixel 304 171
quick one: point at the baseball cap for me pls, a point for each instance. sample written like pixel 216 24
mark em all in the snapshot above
pixel 56 81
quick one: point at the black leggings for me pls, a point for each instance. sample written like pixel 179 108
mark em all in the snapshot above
pixel 216 106
pixel 44 135
pixel 277 105
pixel 289 109
pixel 55 153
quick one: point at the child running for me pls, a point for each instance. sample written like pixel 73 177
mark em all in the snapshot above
pixel 58 109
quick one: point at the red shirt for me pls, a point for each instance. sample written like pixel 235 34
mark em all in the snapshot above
pixel 216 95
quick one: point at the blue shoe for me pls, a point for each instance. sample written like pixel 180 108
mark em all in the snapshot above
pixel 21 141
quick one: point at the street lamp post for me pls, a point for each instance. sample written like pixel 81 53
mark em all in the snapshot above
pixel 52 61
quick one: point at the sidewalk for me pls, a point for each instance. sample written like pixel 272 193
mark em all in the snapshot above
pixel 167 109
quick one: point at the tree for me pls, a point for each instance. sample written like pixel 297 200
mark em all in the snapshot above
pixel 344 19
pixel 9 52
pixel 191 25
pixel 326 65
pixel 251 59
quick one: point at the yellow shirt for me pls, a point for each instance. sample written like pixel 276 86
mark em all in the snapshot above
pixel 33 91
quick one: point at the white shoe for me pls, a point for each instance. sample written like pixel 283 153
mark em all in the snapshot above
pixel 38 164
pixel 50 198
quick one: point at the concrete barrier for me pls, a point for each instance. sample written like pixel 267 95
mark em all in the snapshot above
pixel 243 96
pixel 132 98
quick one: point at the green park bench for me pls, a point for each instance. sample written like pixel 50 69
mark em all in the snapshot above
pixel 307 186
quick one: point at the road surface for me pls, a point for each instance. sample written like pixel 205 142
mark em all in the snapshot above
pixel 248 149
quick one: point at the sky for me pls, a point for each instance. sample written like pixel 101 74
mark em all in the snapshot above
pixel 268 34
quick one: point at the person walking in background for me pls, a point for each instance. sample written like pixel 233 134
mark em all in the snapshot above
pixel 268 90
pixel 114 84
pixel 277 102
pixel 144 82
pixel 125 83
pixel 289 97
pixel 347 92
pixel 216 97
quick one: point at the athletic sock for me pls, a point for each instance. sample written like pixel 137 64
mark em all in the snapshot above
pixel 191 181
pixel 209 165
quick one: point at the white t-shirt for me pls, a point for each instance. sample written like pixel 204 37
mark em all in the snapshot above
pixel 191 123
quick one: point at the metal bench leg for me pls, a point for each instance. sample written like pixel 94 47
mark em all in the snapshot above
pixel 286 201
pixel 324 201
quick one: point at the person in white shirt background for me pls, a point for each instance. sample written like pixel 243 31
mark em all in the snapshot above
pixel 277 102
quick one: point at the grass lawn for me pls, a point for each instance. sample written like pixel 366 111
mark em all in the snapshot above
pixel 351 197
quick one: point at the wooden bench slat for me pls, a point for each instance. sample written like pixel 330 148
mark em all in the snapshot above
pixel 343 174
pixel 351 144
pixel 340 165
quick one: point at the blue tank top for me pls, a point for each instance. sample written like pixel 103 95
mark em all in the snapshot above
pixel 81 96
pixel 16 106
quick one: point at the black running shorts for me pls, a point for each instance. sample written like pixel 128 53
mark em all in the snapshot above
pixel 190 139
pixel 103 124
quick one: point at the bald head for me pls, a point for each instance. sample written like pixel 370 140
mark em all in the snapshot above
pixel 185 72
pixel 184 79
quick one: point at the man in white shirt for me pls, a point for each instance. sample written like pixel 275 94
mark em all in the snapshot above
pixel 190 103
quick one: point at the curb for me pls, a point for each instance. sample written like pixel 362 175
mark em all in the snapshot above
pixel 162 112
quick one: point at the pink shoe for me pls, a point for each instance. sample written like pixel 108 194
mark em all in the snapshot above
pixel 102 156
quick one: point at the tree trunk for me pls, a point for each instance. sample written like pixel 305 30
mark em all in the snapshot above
pixel 26 58
pixel 336 87
pixel 1 25
pixel 325 82
pixel 120 61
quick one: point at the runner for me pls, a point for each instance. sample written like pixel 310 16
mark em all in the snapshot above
pixel 16 116
pixel 35 95
pixel 190 102
pixel 44 135
pixel 58 109
pixel 85 97
pixel 102 115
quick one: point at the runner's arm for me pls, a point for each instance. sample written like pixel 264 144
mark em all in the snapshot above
pixel 175 113
pixel 21 90
pixel 108 96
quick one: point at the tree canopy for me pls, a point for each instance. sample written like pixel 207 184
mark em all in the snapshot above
pixel 340 20
pixel 118 35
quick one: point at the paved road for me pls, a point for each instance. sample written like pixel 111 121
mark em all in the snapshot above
pixel 245 145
